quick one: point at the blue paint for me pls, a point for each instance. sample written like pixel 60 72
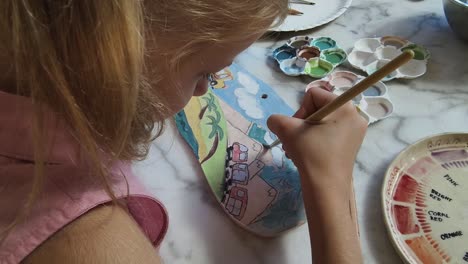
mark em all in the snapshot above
pixel 288 209
pixel 373 91
pixel 293 70
pixel 186 131
pixel 272 105
pixel 284 55
pixel 258 133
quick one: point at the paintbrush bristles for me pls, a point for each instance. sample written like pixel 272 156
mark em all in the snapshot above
pixel 357 89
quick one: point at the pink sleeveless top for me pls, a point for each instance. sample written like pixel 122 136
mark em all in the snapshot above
pixel 69 189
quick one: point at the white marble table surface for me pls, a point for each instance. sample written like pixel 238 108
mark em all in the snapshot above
pixel 200 232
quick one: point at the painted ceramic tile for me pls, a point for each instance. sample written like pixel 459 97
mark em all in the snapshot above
pixel 260 189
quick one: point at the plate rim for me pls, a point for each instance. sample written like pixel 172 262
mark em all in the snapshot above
pixel 327 20
pixel 385 216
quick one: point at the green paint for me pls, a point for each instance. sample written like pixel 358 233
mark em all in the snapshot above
pixel 214 123
pixel 334 58
pixel 420 53
pixel 318 68
pixel 319 71
pixel 323 45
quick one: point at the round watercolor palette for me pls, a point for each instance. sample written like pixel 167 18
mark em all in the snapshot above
pixel 371 54
pixel 425 200
pixel 374 103
pixel 304 55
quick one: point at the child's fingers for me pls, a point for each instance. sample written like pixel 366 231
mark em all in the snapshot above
pixel 282 126
pixel 314 99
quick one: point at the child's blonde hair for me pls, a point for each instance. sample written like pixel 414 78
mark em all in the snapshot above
pixel 85 60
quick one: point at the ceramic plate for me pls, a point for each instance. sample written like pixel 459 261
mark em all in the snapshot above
pixel 425 200
pixel 314 15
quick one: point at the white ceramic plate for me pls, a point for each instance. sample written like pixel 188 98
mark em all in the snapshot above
pixel 425 200
pixel 316 15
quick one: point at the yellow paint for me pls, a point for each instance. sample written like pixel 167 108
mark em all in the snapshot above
pixel 221 77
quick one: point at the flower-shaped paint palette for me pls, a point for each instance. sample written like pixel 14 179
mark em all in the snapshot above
pixel 304 55
pixel 371 54
pixel 425 200
pixel 374 103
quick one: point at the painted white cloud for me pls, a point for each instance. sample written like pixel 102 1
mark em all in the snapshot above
pixel 246 96
pixel 250 84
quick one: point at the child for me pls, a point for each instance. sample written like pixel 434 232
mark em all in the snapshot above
pixel 82 84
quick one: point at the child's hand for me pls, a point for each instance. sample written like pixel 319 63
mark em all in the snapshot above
pixel 324 154
pixel 328 147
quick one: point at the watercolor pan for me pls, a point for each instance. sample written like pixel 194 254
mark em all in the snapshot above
pixel 311 56
pixel 425 200
pixel 370 54
pixel 374 103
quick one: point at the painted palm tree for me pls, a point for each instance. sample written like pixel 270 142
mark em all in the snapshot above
pixel 210 105
pixel 216 132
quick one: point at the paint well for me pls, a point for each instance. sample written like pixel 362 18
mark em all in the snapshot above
pixel 309 53
pixel 334 58
pixel 292 70
pixel 450 155
pixel 420 53
pixel 343 79
pixel 425 252
pixel 422 167
pixel 378 110
pixel 396 42
pixel 342 82
pixel 404 218
pixel 406 190
pixel 289 67
pixel 320 85
pixel 324 43
pixel 318 71
pixel 299 43
pixel 284 55
pixel 367 45
pixel 373 91
pixel 318 68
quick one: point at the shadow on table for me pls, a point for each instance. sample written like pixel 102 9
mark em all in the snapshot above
pixel 376 234
pixel 225 242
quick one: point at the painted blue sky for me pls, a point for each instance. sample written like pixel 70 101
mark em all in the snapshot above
pixel 271 105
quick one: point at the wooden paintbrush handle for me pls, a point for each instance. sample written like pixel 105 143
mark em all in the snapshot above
pixel 362 86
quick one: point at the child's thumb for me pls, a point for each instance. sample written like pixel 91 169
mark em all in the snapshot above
pixel 280 125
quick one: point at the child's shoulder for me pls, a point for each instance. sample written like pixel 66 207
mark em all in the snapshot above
pixel 106 234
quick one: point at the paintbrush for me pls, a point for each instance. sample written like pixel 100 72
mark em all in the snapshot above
pixel 301 2
pixel 294 12
pixel 356 90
